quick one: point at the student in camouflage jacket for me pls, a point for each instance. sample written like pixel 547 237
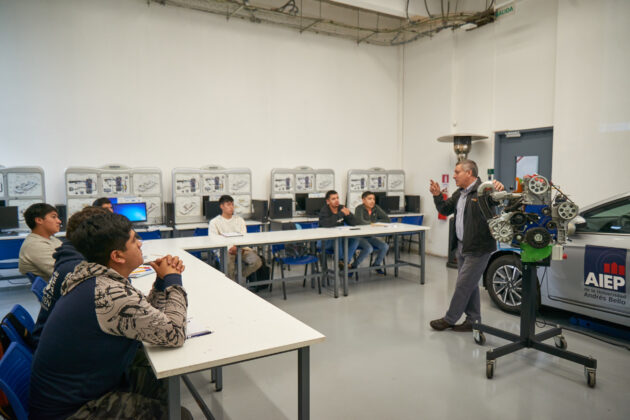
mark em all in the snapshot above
pixel 84 364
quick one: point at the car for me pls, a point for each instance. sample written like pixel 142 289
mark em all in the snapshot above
pixel 591 280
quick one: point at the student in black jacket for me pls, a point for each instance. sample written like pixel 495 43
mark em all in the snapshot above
pixel 334 214
pixel 474 245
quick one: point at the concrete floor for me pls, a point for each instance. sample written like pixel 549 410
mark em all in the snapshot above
pixel 381 360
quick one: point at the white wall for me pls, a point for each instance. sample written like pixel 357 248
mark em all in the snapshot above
pixel 494 78
pixel 592 108
pixel 96 82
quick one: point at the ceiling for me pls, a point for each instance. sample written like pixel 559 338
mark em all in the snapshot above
pixel 384 22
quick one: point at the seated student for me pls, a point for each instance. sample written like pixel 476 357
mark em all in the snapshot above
pixel 103 202
pixel 66 259
pixel 82 367
pixel 228 222
pixel 36 253
pixel 335 214
pixel 370 212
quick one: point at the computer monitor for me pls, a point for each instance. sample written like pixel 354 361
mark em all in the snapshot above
pixel 379 197
pixel 300 202
pixel 9 218
pixel 261 210
pixel 135 212
pixel 391 203
pixel 314 205
pixel 211 209
pixel 281 208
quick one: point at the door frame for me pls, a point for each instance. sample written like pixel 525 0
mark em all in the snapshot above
pixel 497 148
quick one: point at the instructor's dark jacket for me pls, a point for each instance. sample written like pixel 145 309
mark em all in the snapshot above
pixel 477 237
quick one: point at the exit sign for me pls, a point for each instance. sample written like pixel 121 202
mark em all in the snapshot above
pixel 504 10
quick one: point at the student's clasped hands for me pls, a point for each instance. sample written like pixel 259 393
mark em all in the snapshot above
pixel 166 265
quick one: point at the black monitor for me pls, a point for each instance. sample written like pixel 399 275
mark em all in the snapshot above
pixel 135 212
pixel 3 203
pixel 391 203
pixel 300 202
pixel 211 209
pixel 379 197
pixel 261 210
pixel 314 205
pixel 281 208
pixel 9 218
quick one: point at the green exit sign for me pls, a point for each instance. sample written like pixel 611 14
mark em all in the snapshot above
pixel 504 10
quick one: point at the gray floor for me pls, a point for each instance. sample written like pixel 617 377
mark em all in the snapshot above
pixel 381 360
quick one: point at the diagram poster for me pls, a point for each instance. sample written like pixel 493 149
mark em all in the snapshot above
pixel 146 184
pixel 81 184
pixel 116 184
pixel 22 184
pixel 239 183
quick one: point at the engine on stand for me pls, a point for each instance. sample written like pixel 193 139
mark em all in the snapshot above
pixel 534 220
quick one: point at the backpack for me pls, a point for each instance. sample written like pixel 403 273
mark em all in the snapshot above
pixel 294 249
pixel 263 273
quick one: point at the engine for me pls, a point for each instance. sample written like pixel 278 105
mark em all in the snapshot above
pixel 534 220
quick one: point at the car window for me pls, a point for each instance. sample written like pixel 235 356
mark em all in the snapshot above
pixel 610 218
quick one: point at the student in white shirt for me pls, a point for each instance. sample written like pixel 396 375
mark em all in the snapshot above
pixel 36 253
pixel 228 222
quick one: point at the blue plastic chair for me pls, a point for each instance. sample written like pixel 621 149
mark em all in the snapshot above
pixel 253 228
pixel 10 250
pixel 38 287
pixel 25 318
pixel 150 235
pixel 411 220
pixel 304 260
pixel 15 378
pixel 199 232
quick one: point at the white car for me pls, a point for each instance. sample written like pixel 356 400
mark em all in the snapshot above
pixel 591 281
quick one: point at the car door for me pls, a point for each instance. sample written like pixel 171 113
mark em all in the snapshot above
pixel 593 279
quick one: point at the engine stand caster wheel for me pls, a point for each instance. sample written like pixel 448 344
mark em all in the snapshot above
pixel 480 337
pixel 560 342
pixel 490 368
pixel 589 374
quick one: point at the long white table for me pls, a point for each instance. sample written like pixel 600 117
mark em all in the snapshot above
pixel 345 232
pixel 244 326
pixel 308 235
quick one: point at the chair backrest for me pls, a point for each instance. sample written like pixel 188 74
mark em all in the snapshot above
pixel 253 228
pixel 201 232
pixel 23 316
pixel 15 378
pixel 38 287
pixel 412 220
pixel 307 225
pixel 149 235
pixel 10 248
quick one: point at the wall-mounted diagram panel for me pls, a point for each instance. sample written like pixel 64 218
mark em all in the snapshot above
pixel 22 186
pixel 377 180
pixel 301 183
pixel 192 187
pixel 122 183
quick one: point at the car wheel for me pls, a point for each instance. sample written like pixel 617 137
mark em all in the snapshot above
pixel 504 279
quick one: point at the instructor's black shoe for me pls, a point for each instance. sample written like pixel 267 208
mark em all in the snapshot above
pixel 440 324
pixel 465 326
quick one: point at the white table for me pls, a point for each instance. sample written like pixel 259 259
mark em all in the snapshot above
pixel 310 235
pixel 244 326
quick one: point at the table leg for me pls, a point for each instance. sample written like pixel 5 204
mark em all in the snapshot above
pixel 224 261
pixel 345 266
pixel 422 256
pixel 239 268
pixel 218 378
pixel 336 267
pixel 396 254
pixel 174 403
pixel 304 383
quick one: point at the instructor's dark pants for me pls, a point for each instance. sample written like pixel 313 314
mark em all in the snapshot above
pixel 470 267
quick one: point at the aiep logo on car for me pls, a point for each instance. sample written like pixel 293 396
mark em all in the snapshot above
pixel 605 268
